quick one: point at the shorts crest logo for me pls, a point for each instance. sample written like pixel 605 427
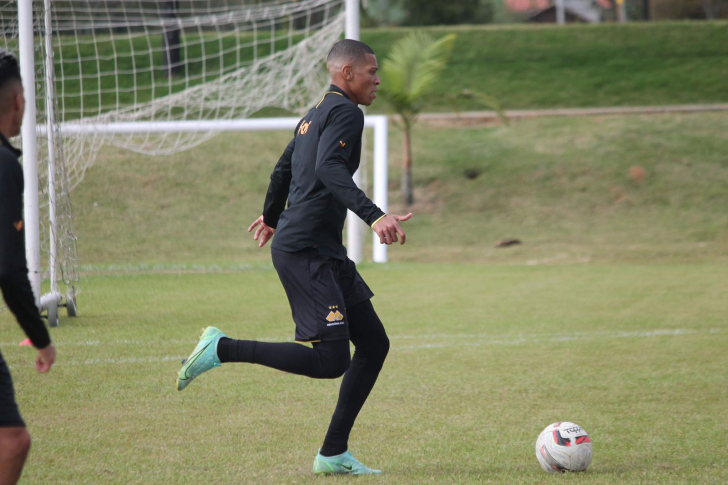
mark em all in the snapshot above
pixel 19 225
pixel 334 316
pixel 304 128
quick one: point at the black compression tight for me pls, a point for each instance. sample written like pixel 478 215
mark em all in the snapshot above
pixel 371 346
pixel 327 360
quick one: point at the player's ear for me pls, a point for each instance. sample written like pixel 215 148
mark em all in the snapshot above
pixel 19 100
pixel 18 109
pixel 348 72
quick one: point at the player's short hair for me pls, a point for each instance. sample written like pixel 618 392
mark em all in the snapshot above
pixel 9 69
pixel 349 50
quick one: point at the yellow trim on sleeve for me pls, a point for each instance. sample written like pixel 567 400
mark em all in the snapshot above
pixel 385 215
pixel 324 96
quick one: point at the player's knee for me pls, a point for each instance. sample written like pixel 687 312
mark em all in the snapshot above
pixel 382 349
pixel 338 369
pixel 24 443
pixel 335 360
pixel 374 352
pixel 338 366
pixel 333 370
pixel 15 443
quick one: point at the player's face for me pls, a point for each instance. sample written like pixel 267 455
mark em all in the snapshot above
pixel 365 80
pixel 13 102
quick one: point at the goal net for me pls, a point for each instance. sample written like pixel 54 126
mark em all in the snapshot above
pixel 146 62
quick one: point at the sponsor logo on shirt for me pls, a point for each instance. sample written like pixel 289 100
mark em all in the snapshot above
pixel 342 144
pixel 304 128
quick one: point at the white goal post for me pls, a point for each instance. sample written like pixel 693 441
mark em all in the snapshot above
pixel 72 49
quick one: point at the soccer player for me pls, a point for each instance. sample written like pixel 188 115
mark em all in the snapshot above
pixel 14 437
pixel 329 300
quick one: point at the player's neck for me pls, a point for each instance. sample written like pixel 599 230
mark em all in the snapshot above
pixel 344 88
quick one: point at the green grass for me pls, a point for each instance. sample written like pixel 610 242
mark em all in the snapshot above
pixel 581 65
pixel 610 314
pixel 483 357
pixel 561 185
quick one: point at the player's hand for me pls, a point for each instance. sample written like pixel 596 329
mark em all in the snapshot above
pixel 388 228
pixel 264 232
pixel 46 358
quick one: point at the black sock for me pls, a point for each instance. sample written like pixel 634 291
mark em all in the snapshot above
pixel 229 350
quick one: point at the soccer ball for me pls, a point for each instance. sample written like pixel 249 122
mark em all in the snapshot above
pixel 563 447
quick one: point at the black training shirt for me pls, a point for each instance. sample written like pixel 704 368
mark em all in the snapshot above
pixel 13 265
pixel 12 231
pixel 314 175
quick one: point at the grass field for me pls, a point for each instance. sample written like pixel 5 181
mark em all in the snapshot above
pixel 611 315
pixel 483 357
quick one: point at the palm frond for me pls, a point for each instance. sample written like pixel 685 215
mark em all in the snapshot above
pixel 412 70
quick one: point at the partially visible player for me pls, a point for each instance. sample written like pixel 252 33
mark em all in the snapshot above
pixel 329 299
pixel 14 437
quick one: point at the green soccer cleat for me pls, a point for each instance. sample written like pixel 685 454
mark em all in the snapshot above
pixel 202 359
pixel 343 464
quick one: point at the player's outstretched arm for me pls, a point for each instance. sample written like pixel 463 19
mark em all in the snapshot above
pixel 264 233
pixel 388 228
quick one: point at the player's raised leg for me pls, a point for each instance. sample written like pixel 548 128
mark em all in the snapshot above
pixel 325 360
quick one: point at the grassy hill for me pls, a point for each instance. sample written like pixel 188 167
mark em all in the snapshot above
pixel 530 66
pixel 598 189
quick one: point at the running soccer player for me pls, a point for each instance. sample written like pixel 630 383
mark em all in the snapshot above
pixel 14 437
pixel 329 300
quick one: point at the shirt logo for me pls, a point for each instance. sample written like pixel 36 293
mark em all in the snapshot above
pixel 19 225
pixel 304 128
pixel 342 144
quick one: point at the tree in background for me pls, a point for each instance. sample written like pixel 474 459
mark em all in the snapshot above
pixel 409 73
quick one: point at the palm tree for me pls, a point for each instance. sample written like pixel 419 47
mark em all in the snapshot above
pixel 409 74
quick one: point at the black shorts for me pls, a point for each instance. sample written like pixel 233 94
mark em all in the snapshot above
pixel 319 290
pixel 9 412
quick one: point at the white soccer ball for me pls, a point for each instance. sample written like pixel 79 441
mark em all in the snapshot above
pixel 564 447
